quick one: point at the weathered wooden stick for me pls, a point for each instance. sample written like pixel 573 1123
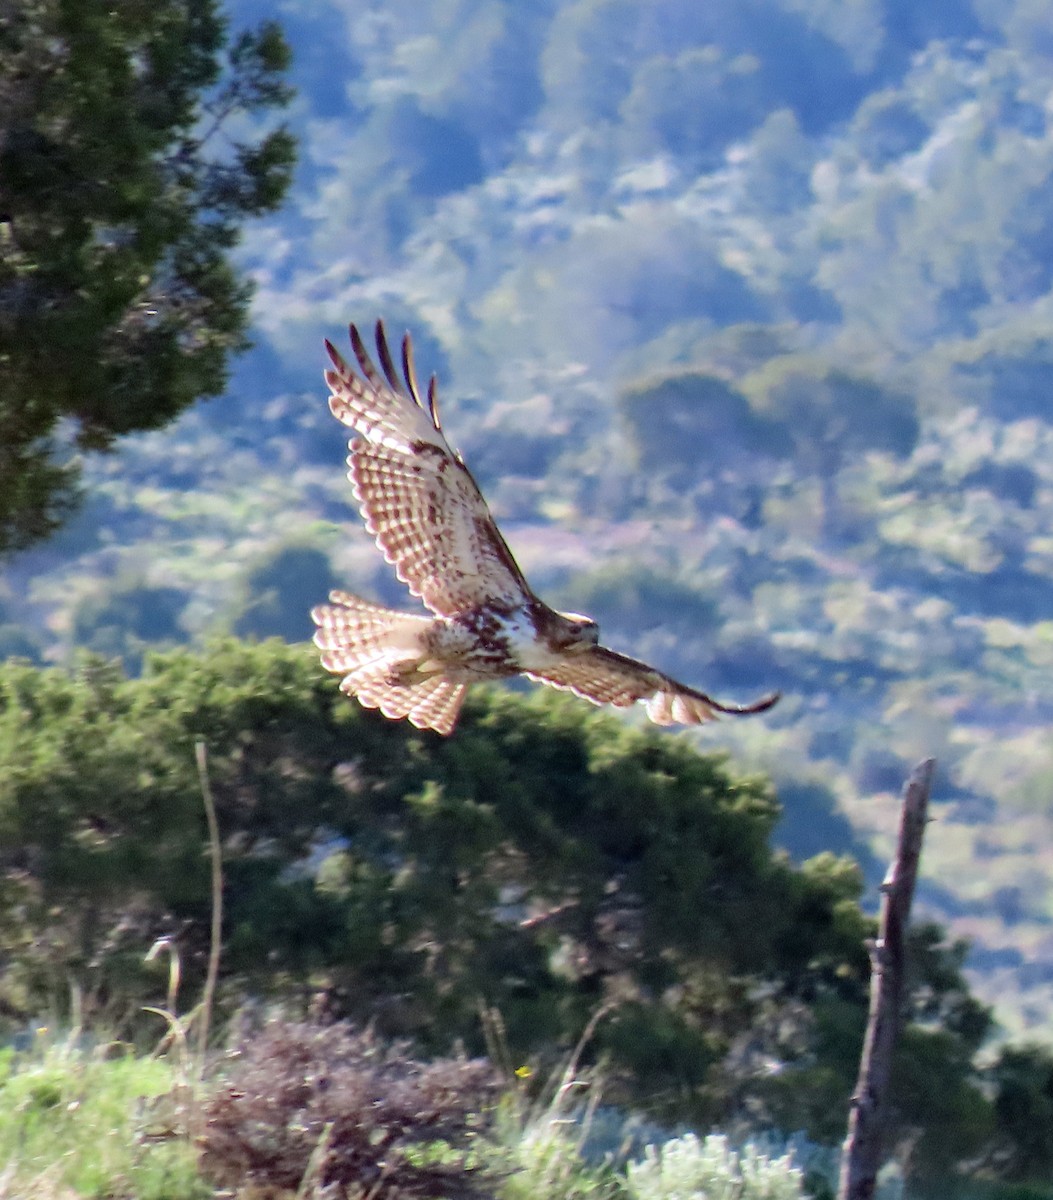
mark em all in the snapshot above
pixel 862 1150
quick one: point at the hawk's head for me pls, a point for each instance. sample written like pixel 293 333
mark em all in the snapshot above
pixel 574 632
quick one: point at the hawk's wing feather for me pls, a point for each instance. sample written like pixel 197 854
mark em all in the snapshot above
pixel 416 495
pixel 432 704
pixel 607 677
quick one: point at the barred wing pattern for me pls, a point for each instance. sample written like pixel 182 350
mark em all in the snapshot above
pixel 369 645
pixel 415 494
pixel 607 677
pixel 424 509
pixel 434 704
pixel 355 635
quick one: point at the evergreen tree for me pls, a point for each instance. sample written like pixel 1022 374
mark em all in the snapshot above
pixel 546 862
pixel 131 149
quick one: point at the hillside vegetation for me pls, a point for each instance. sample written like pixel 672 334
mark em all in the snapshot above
pixel 742 315
pixel 550 879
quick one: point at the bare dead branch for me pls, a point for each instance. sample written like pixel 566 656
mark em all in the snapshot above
pixel 862 1149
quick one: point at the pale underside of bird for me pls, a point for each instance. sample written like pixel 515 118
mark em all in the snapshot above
pixel 430 520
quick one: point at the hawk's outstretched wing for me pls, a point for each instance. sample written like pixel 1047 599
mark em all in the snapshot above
pixel 416 495
pixel 607 677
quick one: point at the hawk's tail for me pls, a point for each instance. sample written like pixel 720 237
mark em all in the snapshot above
pixel 380 654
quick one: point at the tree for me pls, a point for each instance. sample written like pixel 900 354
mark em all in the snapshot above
pixel 131 148
pixel 939 1115
pixel 832 416
pixel 546 862
pixel 1023 1077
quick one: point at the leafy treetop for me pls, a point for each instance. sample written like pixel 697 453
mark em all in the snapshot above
pixel 131 148
pixel 546 862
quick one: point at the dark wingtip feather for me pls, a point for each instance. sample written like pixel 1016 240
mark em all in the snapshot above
pixel 409 369
pixel 361 353
pixel 335 355
pixel 433 401
pixel 745 710
pixel 386 360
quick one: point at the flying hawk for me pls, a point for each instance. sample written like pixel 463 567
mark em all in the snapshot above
pixel 430 520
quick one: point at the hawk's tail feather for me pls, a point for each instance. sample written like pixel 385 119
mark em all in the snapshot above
pixel 378 651
pixel 353 633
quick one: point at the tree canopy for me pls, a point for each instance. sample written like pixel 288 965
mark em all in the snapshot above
pixel 132 146
pixel 546 863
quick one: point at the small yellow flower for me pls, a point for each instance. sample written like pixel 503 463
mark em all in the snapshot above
pixel 523 1072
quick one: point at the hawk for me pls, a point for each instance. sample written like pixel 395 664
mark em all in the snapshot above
pixel 430 520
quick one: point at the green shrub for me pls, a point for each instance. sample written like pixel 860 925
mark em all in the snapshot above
pixel 689 1169
pixel 544 1160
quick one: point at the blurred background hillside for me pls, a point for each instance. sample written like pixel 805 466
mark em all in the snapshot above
pixel 742 314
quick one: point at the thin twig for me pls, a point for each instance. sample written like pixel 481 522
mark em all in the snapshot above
pixel 315 1165
pixel 176 1035
pixel 568 1083
pixel 175 970
pixel 216 938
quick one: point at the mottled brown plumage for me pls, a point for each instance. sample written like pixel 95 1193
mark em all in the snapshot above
pixel 430 520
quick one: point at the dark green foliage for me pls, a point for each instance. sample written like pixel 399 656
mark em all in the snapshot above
pixel 938 1105
pixel 545 861
pixel 940 995
pixel 938 1111
pixel 535 858
pixel 606 156
pixel 122 188
pixel 1023 1107
pixel 348 1111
